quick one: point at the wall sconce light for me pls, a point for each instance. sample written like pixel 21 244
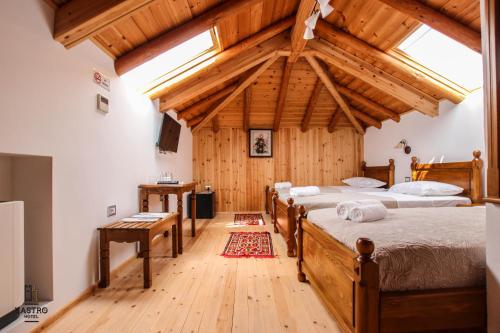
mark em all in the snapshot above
pixel 403 144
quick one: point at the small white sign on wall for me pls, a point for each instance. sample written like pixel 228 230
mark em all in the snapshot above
pixel 102 80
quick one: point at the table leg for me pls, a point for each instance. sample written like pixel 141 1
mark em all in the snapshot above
pixel 146 252
pixel 144 201
pixel 174 241
pixel 193 213
pixel 165 203
pixel 179 221
pixel 104 260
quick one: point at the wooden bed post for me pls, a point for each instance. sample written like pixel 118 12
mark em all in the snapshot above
pixel 292 223
pixel 476 186
pixel 392 171
pixel 270 203
pixel 300 237
pixel 414 168
pixel 366 301
pixel 363 168
pixel 274 216
pixel 266 196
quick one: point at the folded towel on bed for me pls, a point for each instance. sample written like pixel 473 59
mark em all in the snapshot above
pixel 282 186
pixel 368 213
pixel 304 191
pixel 345 207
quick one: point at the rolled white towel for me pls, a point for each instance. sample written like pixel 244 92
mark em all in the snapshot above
pixel 282 185
pixel 368 213
pixel 344 207
pixel 304 191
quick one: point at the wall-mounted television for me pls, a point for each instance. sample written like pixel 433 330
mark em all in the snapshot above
pixel 169 135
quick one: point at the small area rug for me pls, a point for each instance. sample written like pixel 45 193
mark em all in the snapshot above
pixel 249 219
pixel 249 244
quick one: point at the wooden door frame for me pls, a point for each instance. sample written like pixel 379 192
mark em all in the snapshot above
pixel 490 30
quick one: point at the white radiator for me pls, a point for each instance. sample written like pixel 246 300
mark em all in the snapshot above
pixel 11 260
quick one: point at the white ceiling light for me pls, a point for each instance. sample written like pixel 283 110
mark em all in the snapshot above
pixel 308 33
pixel 312 20
pixel 325 8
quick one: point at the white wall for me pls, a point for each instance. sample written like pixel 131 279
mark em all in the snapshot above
pixel 493 266
pixel 457 131
pixel 47 107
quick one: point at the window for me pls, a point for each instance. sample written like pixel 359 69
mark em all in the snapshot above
pixel 445 57
pixel 173 62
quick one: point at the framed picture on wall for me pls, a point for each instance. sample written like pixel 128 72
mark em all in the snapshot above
pixel 260 142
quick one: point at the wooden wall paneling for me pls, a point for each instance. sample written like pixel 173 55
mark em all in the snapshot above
pixel 315 157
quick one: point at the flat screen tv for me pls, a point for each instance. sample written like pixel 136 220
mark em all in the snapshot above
pixel 169 135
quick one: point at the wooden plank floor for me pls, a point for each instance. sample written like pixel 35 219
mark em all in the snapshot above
pixel 201 291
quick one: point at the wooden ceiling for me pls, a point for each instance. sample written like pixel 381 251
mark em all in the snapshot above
pixel 267 75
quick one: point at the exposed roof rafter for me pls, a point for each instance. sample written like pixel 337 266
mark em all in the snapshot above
pixel 438 21
pixel 180 34
pixel 243 85
pixel 311 105
pixel 376 77
pixel 323 75
pixel 285 80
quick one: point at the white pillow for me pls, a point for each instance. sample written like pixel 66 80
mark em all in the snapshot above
pixel 426 188
pixel 363 182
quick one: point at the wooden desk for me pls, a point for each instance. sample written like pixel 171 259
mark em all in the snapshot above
pixel 128 232
pixel 164 191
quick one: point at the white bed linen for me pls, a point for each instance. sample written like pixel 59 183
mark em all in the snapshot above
pixel 415 201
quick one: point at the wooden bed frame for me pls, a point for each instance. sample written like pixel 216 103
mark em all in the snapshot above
pixel 348 281
pixel 284 216
pixel 348 284
pixel 467 175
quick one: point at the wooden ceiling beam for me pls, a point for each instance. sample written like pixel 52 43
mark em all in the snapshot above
pixel 334 120
pixel 234 59
pixel 306 120
pixel 215 124
pixel 325 78
pixel 214 75
pixel 197 108
pixel 329 32
pixel 376 77
pixel 367 119
pixel 368 103
pixel 249 80
pixel 438 21
pixel 180 34
pixel 78 20
pixel 247 101
pixel 285 80
pixel 305 10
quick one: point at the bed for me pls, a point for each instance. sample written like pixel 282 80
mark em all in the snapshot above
pixel 467 175
pixel 383 173
pixel 417 270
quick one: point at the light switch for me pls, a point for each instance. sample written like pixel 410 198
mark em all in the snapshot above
pixel 111 210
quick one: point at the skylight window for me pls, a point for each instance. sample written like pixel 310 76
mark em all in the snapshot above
pixel 445 56
pixel 172 62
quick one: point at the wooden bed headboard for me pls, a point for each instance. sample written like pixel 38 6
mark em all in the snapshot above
pixel 467 175
pixel 383 173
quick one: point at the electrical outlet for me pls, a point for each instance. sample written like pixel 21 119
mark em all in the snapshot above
pixel 111 210
pixel 407 179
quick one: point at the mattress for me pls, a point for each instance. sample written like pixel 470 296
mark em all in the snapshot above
pixel 415 201
pixel 419 249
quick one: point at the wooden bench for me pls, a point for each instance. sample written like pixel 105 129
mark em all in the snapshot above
pixel 130 232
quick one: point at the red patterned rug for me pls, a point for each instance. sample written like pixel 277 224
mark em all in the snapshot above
pixel 249 244
pixel 249 219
